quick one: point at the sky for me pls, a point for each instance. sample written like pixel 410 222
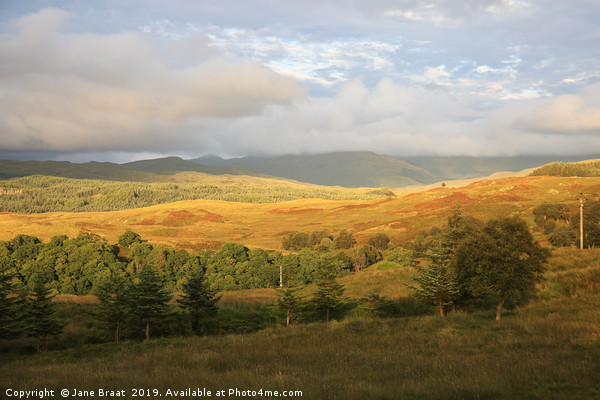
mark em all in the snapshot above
pixel 116 80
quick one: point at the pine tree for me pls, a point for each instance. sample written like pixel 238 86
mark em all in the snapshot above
pixel 115 304
pixel 290 302
pixel 10 312
pixel 198 299
pixel 373 302
pixel 436 283
pixel 41 321
pixel 149 299
pixel 329 293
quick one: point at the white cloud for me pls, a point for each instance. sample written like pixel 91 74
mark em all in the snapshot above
pixel 86 91
pixel 573 114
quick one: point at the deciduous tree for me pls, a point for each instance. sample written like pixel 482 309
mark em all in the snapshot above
pixel 503 261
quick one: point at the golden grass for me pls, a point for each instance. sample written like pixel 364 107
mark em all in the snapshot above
pixel 208 224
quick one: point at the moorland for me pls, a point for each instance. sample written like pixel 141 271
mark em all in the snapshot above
pixel 543 348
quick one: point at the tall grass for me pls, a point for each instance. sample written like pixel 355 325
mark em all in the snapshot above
pixel 546 350
pixel 529 355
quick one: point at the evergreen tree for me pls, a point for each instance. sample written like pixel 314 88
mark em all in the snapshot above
pixel 198 299
pixel 436 283
pixel 41 320
pixel 290 302
pixel 373 302
pixel 10 310
pixel 115 303
pixel 149 299
pixel 329 293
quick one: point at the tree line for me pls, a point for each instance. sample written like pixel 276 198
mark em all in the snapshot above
pixel 77 265
pixel 139 305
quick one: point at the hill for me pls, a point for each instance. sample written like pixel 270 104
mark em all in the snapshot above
pixel 157 170
pixel 582 168
pixel 39 194
pixel 354 169
pixel 210 223
pixel 348 169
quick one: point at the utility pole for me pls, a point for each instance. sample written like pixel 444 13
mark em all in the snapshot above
pixel 581 199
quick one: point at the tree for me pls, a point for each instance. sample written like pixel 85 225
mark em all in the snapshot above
pixel 41 320
pixel 400 255
pixel 328 295
pixel 115 303
pixel 562 236
pixel 198 299
pixel 365 256
pixel 149 299
pixel 344 241
pixel 591 224
pixel 437 282
pixel 502 261
pixel 373 302
pixel 129 238
pixel 10 313
pixel 296 241
pixel 288 301
pixel 380 241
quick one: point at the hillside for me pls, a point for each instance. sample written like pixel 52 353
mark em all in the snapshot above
pixel 200 224
pixel 353 169
pixel 582 168
pixel 348 169
pixel 158 170
pixel 38 194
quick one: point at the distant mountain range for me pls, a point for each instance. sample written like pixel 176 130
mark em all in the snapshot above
pixel 348 169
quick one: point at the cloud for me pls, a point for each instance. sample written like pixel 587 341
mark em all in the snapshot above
pixel 566 114
pixel 84 91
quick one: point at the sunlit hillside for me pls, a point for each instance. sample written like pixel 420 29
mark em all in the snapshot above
pixel 202 224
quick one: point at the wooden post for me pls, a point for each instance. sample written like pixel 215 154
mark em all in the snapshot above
pixel 581 222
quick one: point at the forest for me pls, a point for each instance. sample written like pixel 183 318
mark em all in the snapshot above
pixel 38 194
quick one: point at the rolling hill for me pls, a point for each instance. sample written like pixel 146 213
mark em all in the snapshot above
pixel 198 224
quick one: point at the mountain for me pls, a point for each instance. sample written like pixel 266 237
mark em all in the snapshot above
pixel 212 160
pixel 90 170
pixel 348 169
pixel 156 170
pixel 169 165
